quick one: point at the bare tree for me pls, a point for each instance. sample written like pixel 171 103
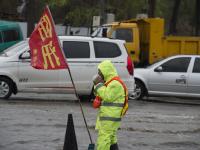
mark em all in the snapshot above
pixel 174 17
pixel 102 11
pixel 30 15
pixel 34 10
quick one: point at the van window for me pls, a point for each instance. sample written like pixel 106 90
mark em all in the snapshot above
pixel 1 37
pixel 75 49
pixel 196 68
pixel 10 35
pixel 106 50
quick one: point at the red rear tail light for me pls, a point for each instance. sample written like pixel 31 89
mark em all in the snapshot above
pixel 130 65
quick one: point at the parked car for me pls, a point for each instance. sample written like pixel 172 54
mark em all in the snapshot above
pixel 174 76
pixel 83 55
pixel 10 34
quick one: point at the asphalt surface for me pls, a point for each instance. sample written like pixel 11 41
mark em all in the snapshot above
pixel 38 122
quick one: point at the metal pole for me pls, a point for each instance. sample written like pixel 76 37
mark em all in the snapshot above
pixel 80 106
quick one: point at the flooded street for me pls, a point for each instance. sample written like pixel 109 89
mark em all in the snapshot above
pixel 33 123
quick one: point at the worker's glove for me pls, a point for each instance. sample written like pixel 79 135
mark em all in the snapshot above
pixel 97 102
pixel 97 79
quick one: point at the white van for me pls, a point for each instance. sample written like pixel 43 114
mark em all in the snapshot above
pixel 83 55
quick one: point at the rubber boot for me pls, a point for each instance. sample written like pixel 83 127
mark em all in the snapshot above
pixel 114 147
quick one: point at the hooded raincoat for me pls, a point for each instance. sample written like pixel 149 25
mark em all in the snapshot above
pixel 113 98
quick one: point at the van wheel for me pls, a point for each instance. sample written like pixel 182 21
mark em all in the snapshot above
pixel 140 90
pixel 84 98
pixel 87 98
pixel 5 88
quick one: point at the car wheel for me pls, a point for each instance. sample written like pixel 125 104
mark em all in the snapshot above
pixel 132 96
pixel 5 88
pixel 139 90
pixel 87 98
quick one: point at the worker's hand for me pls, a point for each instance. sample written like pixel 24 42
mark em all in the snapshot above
pixel 97 102
pixel 97 79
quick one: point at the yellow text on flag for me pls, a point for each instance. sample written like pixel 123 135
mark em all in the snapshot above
pixel 45 28
pixel 49 51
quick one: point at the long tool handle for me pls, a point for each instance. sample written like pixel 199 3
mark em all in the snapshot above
pixel 73 85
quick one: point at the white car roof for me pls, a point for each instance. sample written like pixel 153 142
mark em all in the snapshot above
pixel 182 55
pixel 90 38
pixel 64 37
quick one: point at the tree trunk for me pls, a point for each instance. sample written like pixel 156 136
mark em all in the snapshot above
pixel 30 16
pixel 197 17
pixel 174 17
pixel 102 11
pixel 151 8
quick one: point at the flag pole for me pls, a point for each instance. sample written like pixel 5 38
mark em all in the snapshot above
pixel 80 107
pixel 73 85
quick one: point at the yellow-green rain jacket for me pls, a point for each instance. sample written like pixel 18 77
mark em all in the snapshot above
pixel 113 97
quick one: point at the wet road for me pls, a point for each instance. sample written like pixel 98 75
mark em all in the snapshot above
pixel 33 123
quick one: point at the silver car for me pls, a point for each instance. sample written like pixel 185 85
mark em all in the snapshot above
pixel 174 76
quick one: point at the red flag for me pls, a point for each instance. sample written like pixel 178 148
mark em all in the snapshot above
pixel 45 48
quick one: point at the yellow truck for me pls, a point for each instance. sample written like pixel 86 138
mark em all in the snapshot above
pixel 146 42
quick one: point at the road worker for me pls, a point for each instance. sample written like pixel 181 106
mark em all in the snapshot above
pixel 111 94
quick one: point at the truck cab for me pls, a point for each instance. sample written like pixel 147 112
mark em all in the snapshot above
pixel 10 34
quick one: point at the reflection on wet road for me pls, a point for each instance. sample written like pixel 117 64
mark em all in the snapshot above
pixel 149 125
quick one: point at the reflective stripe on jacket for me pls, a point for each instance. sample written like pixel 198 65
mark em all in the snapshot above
pixel 113 97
